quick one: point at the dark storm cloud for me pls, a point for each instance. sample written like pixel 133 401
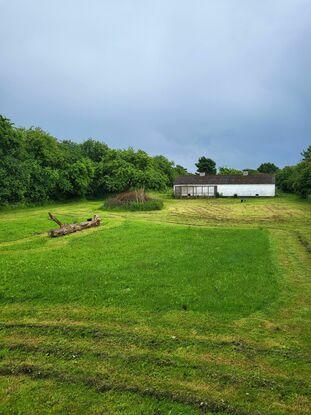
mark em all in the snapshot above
pixel 225 78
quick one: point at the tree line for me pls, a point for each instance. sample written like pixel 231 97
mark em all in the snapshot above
pixel 297 179
pixel 208 166
pixel 291 179
pixel 36 167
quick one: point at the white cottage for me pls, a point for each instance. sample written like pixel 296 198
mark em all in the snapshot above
pixel 236 185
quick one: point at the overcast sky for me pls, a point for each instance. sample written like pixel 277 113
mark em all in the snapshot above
pixel 229 79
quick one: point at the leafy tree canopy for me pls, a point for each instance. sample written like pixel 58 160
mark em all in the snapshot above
pixel 228 170
pixel 94 150
pixel 302 178
pixel 268 168
pixel 206 165
pixel 180 171
pixel 35 166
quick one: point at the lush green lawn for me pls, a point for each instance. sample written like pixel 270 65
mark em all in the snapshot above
pixel 145 266
pixel 200 308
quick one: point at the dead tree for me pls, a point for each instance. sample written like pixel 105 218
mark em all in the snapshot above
pixel 66 228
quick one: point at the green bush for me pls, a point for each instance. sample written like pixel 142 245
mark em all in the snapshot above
pixel 152 204
pixel 36 167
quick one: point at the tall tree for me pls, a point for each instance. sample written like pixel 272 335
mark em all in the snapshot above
pixel 165 166
pixel 94 150
pixel 284 178
pixel 206 165
pixel 268 168
pixel 180 171
pixel 14 166
pixel 302 178
pixel 42 147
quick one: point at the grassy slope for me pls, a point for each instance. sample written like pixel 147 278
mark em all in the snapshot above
pixel 144 266
pixel 96 322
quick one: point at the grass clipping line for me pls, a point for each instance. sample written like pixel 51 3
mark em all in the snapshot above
pixel 100 385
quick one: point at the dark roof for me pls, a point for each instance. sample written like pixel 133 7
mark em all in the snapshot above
pixel 226 179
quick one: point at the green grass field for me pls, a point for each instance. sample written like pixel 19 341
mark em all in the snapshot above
pixel 201 308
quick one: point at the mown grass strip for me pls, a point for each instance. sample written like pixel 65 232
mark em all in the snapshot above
pixel 98 383
pixel 156 341
pixel 206 371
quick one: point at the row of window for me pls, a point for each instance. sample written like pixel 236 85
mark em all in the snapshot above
pixel 196 190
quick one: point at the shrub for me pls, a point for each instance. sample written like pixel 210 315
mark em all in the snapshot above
pixel 138 195
pixel 136 200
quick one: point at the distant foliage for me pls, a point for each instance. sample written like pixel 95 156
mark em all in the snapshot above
pixel 228 170
pixel 269 168
pixel 180 171
pixel 206 165
pixel 302 178
pixel 297 179
pixel 284 179
pixel 250 171
pixel 36 167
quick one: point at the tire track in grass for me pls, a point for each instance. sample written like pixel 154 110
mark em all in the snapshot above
pixel 157 341
pixel 100 384
pixel 204 370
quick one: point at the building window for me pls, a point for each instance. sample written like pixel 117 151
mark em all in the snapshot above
pixel 208 191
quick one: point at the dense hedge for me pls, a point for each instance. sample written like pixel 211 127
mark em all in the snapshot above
pixel 296 179
pixel 36 167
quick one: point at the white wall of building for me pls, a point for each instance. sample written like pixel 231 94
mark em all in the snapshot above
pixel 232 189
pixel 246 189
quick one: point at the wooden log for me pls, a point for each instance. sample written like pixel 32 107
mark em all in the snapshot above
pixel 66 228
pixel 54 218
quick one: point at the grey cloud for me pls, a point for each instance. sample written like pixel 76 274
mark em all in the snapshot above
pixel 229 79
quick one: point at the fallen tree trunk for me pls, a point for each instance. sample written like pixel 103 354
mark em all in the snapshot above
pixel 66 228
